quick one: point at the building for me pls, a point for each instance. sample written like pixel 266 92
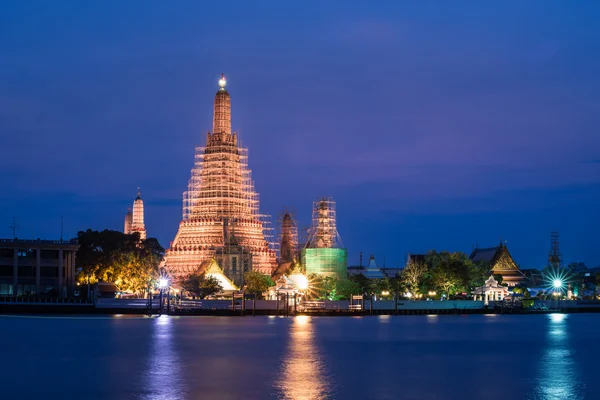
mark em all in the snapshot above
pixel 289 239
pixel 134 221
pixel 501 263
pixel 234 259
pixel 490 291
pixel 212 270
pixel 288 242
pixel 220 198
pixel 128 222
pixel 37 267
pixel 324 253
pixel 374 271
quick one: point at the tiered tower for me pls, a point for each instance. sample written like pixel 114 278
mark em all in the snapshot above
pixel 134 222
pixel 288 239
pixel 324 253
pixel 220 200
pixel 128 222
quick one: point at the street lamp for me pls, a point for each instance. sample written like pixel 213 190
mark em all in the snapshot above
pixel 163 283
pixel 557 283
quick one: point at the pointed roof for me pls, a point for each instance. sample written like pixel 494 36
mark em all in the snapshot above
pixel 213 270
pixel 500 262
pixel 372 270
pixel 489 254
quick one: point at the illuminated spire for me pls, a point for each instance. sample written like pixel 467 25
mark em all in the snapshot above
pixel 222 111
pixel 137 219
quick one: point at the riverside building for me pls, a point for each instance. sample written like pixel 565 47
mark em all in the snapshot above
pixel 37 267
pixel 221 207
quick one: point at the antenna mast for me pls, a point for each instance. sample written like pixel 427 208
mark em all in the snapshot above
pixel 14 227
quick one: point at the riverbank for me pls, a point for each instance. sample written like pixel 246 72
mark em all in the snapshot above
pixel 272 307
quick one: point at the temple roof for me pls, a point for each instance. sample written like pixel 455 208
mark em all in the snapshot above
pixel 489 254
pixel 216 272
pixel 500 262
pixel 372 271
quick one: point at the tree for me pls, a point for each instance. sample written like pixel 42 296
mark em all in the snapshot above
pixel 209 286
pixel 522 290
pixel 362 282
pixel 346 288
pixel 498 278
pixel 443 271
pixel 201 285
pixel 112 256
pixel 257 283
pixel 412 275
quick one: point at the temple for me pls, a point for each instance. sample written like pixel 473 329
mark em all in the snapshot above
pixel 134 221
pixel 221 216
pixel 501 263
pixel 289 260
pixel 490 291
pixel 324 253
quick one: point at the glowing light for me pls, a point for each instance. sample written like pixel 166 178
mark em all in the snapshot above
pixel 163 283
pixel 409 295
pixel 222 81
pixel 300 280
pixel 385 293
pixel 432 293
pixel 557 283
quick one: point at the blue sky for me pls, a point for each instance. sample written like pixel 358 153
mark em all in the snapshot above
pixel 433 124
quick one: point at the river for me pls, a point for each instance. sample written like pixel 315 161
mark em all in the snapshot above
pixel 404 357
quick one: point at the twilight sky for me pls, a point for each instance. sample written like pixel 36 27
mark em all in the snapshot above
pixel 433 124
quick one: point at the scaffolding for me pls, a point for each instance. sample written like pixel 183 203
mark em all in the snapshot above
pixel 323 232
pixel 324 252
pixel 554 257
pixel 220 196
pixel 327 262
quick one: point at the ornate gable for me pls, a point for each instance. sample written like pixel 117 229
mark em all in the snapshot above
pixel 503 261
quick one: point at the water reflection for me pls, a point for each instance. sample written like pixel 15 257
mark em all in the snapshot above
pixel 304 374
pixel 162 373
pixel 558 376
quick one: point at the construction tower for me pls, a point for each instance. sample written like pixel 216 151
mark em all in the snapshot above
pixel 554 258
pixel 221 206
pixel 324 252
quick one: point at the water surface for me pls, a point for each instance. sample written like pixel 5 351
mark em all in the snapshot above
pixel 404 357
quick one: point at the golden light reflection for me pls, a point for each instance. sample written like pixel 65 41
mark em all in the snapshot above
pixel 385 319
pixel 304 372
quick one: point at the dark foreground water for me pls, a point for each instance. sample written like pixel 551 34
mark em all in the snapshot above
pixel 406 357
